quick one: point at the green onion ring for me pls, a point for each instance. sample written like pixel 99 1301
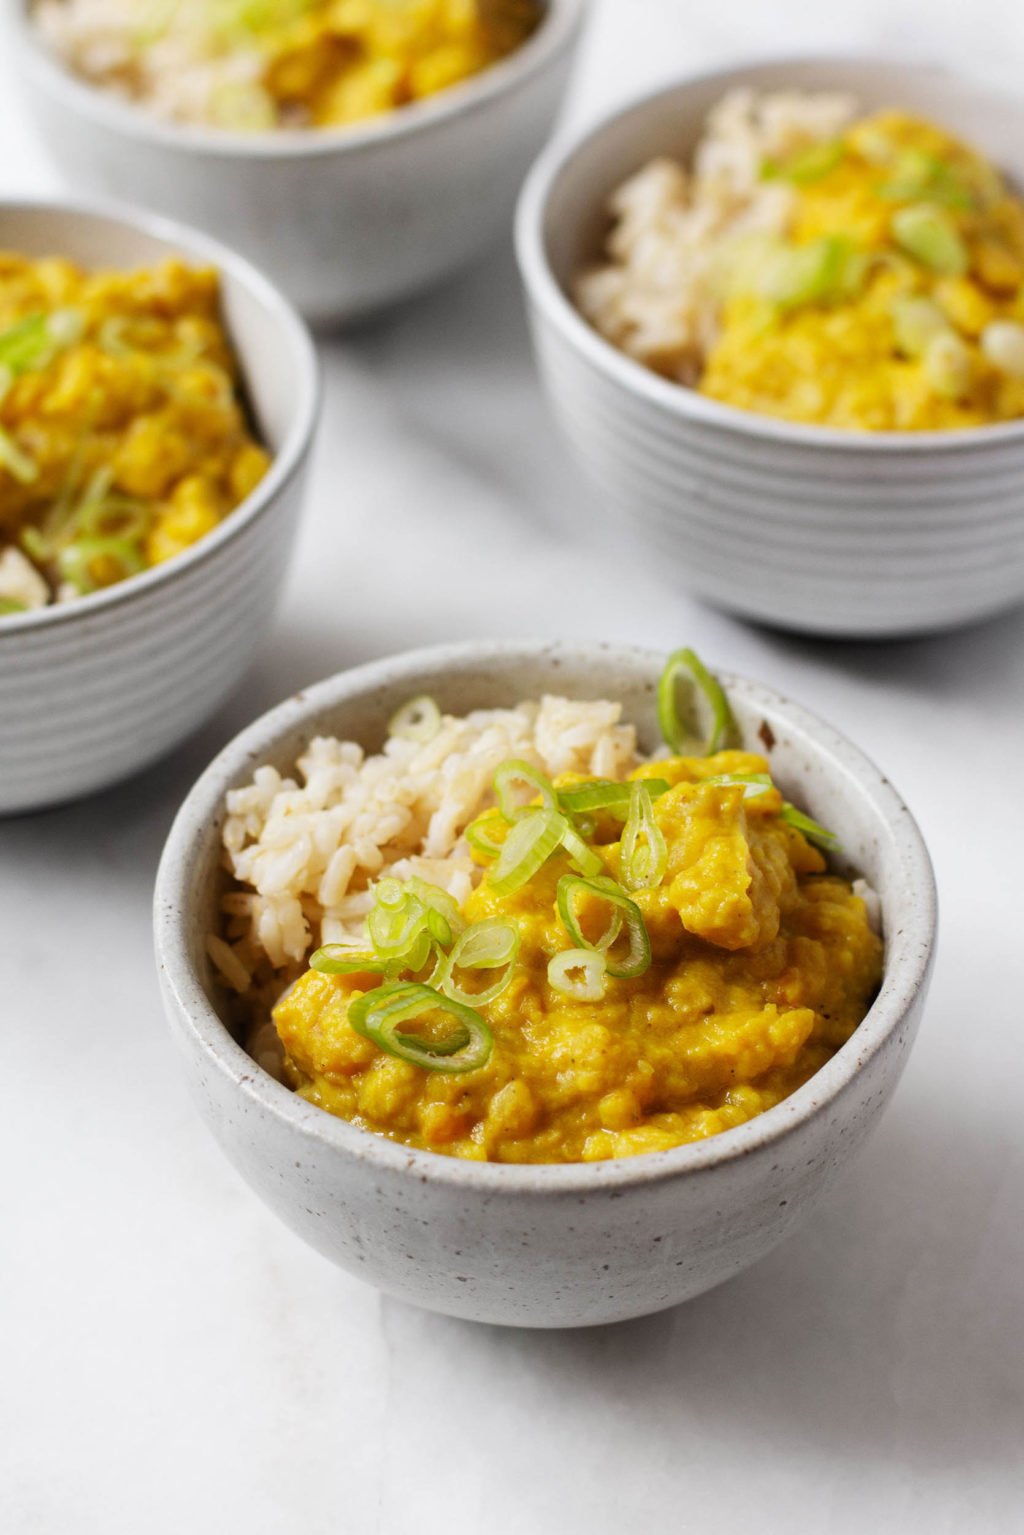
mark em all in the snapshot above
pixel 443 905
pixel 478 838
pixel 754 785
pixel 11 605
pixel 591 962
pixel 376 1015
pixel 342 959
pixel 527 847
pixel 418 720
pixel 681 741
pixel 516 771
pixel 638 957
pixel 486 945
pixel 810 829
pixel 643 854
pixel 16 461
pixel 606 794
pixel 581 856
pixel 75 561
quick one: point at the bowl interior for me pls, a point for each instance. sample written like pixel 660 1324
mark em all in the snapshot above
pixel 671 121
pixel 268 339
pixel 815 766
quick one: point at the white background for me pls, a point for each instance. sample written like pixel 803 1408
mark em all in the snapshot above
pixel 173 1360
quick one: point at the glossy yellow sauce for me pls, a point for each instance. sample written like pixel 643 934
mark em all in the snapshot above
pixel 763 965
pixel 850 360
pixel 125 440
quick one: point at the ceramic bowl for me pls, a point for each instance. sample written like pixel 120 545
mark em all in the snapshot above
pixel 345 221
pixel 550 1246
pixel 94 689
pixel 805 527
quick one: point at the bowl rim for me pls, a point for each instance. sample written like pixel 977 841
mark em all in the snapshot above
pixel 195 247
pixel 910 948
pixel 558 310
pixel 465 98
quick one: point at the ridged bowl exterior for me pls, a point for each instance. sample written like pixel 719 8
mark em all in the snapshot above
pixel 547 1246
pixel 806 528
pixel 94 690
pixel 345 222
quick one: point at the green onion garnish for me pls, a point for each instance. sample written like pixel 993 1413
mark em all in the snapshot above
pixel 377 1014
pixel 930 235
pixel 810 165
pixel 643 854
pixel 817 272
pixel 606 794
pixel 478 838
pixel 921 177
pixel 752 784
pixel 13 458
pixel 513 773
pixel 76 561
pixel 11 605
pixel 621 912
pixel 526 849
pixel 581 856
pixel 681 738
pixel 487 945
pixel 341 959
pixel 579 974
pixel 810 829
pixel 418 720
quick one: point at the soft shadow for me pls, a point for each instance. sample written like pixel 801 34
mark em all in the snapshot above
pixel 886 1328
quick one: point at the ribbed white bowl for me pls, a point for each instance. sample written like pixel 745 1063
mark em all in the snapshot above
pixel 95 689
pixel 805 527
pixel 346 221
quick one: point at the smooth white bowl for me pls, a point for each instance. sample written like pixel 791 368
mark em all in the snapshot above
pixel 548 1246
pixel 347 220
pixel 805 527
pixel 95 689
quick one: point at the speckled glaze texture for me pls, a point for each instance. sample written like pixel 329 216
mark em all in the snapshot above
pixel 93 690
pixel 558 1246
pixel 805 527
pixel 344 221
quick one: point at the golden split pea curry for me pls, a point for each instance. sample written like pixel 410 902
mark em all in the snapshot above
pixel 643 963
pixel 123 439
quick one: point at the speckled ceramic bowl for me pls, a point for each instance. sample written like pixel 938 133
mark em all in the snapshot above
pixel 347 220
pixel 806 527
pixel 556 1246
pixel 95 689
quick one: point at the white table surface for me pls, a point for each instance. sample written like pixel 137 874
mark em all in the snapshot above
pixel 173 1360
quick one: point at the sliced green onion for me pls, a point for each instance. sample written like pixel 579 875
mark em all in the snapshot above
pixel 478 838
pixel 810 829
pixel 13 458
pixel 579 973
pixel 818 272
pixel 683 738
pixel 637 958
pixel 931 237
pixel 487 945
pixel 948 366
pixel 11 605
pixel 396 933
pixel 921 177
pixel 377 1014
pixel 916 321
pixel 418 720
pixel 441 904
pixel 643 854
pixel 514 772
pixel 581 856
pixel 35 341
pixel 527 847
pixel 810 165
pixel 76 561
pixel 752 784
pixel 606 794
pixel 342 959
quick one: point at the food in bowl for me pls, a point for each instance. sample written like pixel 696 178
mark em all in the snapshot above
pixel 819 265
pixel 509 937
pixel 123 435
pixel 261 65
